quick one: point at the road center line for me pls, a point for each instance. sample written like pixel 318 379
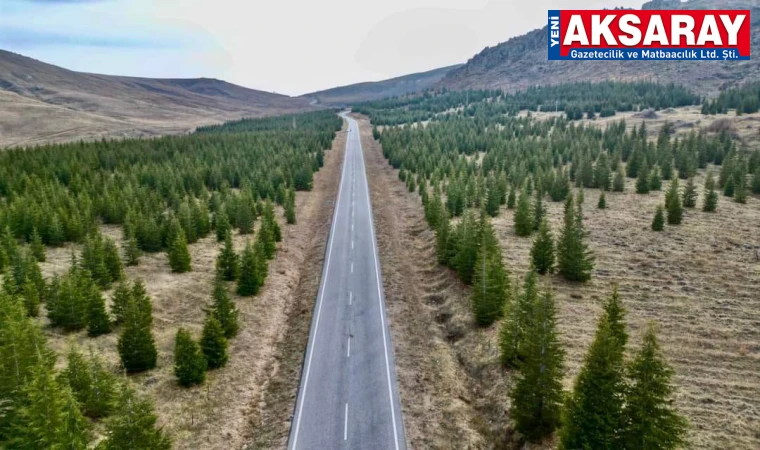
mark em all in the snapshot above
pixel 352 267
pixel 348 352
pixel 345 425
pixel 319 301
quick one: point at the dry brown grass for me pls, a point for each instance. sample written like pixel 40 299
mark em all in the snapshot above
pixel 746 127
pixel 277 399
pixel 224 412
pixel 41 103
pixel 698 282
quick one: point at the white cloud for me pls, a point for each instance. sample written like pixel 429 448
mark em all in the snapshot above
pixel 287 46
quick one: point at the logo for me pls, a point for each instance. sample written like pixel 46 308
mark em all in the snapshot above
pixel 649 35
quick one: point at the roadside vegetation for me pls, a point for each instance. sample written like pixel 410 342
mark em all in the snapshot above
pixel 166 194
pixel 470 158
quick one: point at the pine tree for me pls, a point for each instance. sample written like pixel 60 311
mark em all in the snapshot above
pixel 94 260
pixel 132 252
pixel 542 252
pixel 189 362
pixel 575 260
pixel 490 281
pixel 642 181
pixel 265 240
pixel 537 394
pixel 729 187
pixel 442 235
pixel 93 386
pixel 214 344
pixel 512 198
pixel 222 225
pixel 227 263
pixel 137 348
pixel 467 235
pixel 652 421
pixel 98 322
pixel 122 296
pixel 140 307
pixel 224 310
pixel 523 217
pixel 602 201
pixel 49 418
pixel 22 351
pixel 517 318
pixel 112 261
pixel 271 222
pixel 673 203
pixel 134 427
pixel 538 210
pixel 4 259
pixel 493 202
pixel 690 194
pixel 56 235
pixel 614 313
pixel 740 189
pixel 249 282
pixel 655 179
pixel 711 196
pixel 69 300
pixel 593 414
pixel 618 183
pixel 31 298
pixel 36 245
pixel 179 255
pixel 755 182
pixel 74 427
pixel 262 262
pixel 290 207
pixel 658 223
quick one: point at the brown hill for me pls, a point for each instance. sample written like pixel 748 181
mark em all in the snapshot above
pixel 522 61
pixel 40 102
pixel 375 90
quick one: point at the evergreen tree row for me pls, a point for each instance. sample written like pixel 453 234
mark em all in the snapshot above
pixel 61 193
pixel 614 404
pixel 577 100
pixel 44 410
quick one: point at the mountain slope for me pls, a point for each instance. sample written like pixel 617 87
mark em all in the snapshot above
pixel 522 61
pixel 375 90
pixel 40 102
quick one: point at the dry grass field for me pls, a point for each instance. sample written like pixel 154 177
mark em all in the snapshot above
pixel 224 412
pixel 699 283
pixel 42 103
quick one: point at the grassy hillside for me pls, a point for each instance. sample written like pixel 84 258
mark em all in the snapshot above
pixel 375 90
pixel 522 62
pixel 40 102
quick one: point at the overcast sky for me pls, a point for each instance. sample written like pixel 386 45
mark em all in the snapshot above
pixel 287 46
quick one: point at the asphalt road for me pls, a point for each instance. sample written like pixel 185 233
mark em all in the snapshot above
pixel 348 396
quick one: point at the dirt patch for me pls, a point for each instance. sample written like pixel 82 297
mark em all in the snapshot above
pixel 646 114
pixel 225 412
pixel 271 422
pixel 450 393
